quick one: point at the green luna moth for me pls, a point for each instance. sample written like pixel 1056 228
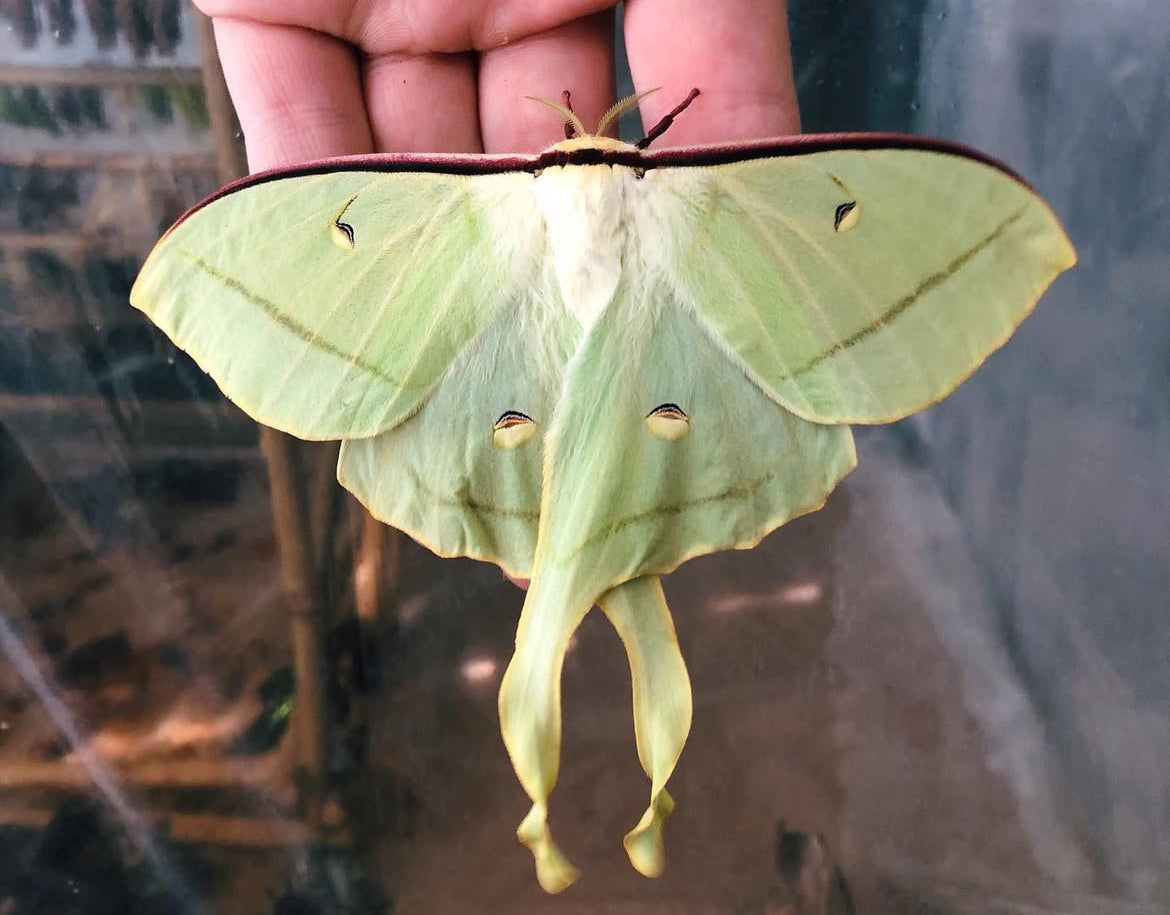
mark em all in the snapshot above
pixel 591 364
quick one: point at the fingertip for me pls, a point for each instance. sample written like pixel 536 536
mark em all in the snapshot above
pixel 521 583
pixel 577 56
pixel 297 92
pixel 423 103
pixel 737 54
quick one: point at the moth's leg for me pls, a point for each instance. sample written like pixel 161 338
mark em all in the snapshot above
pixel 662 704
pixel 530 715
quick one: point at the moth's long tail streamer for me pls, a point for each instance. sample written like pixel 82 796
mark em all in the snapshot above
pixel 662 704
pixel 530 715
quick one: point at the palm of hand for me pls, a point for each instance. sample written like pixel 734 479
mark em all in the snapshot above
pixel 314 78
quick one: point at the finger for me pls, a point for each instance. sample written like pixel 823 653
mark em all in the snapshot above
pixel 736 53
pixel 521 583
pixel 423 104
pixel 412 26
pixel 297 93
pixel 577 56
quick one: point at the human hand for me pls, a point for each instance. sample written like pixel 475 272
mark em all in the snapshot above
pixel 316 78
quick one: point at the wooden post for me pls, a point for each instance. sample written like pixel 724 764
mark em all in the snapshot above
pixel 231 159
pixel 377 557
pixel 289 505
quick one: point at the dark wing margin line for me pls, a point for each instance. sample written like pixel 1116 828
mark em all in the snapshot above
pixel 475 505
pixel 742 491
pixel 804 144
pixel 299 330
pixel 935 279
pixel 470 165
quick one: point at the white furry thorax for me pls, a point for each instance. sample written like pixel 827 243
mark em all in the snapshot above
pixel 584 216
pixel 607 225
pixel 584 231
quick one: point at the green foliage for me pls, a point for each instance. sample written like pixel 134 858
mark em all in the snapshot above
pixel 157 100
pixel 162 101
pixel 192 102
pixel 55 110
pixel 26 106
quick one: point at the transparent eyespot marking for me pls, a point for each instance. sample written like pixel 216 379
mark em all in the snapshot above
pixel 846 216
pixel 513 429
pixel 342 232
pixel 668 422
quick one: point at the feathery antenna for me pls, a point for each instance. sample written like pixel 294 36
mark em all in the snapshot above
pixel 661 127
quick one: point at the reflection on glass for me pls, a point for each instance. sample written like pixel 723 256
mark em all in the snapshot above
pixel 949 686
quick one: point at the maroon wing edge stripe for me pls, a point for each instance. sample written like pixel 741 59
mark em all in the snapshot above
pixel 802 144
pixel 454 164
pixel 679 157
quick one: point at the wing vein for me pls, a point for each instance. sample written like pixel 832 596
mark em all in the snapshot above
pixel 929 283
pixel 755 214
pixel 285 320
pixel 734 283
pixel 375 321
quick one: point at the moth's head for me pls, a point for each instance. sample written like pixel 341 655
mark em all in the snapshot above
pixel 593 141
pixel 577 137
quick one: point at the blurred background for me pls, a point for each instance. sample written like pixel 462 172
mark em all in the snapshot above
pixel 224 689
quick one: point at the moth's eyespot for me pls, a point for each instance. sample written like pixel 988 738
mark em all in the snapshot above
pixel 512 430
pixel 342 232
pixel 846 216
pixel 639 172
pixel 342 235
pixel 668 422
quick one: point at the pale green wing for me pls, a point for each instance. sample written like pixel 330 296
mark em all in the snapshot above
pixel 462 475
pixel 329 305
pixel 860 285
pixel 624 498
